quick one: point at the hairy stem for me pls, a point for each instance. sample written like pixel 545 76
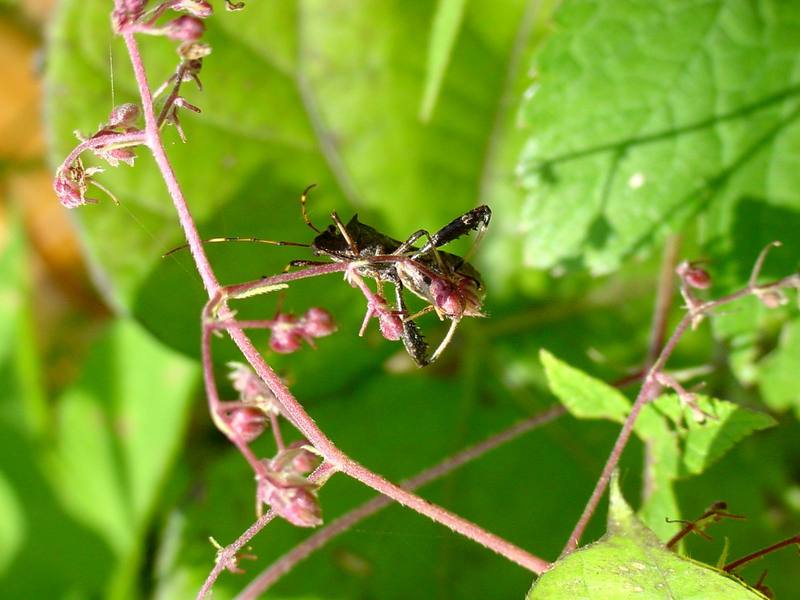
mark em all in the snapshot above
pixel 156 145
pixel 318 540
pixel 795 539
pixel 650 386
pixel 228 554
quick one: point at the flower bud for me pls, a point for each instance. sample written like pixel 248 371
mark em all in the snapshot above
pixel 185 29
pixel 69 193
pixel 318 322
pixel 247 422
pixel 292 498
pixel 124 115
pixel 300 460
pixel 391 325
pixel 286 337
pixel 772 298
pixel 693 275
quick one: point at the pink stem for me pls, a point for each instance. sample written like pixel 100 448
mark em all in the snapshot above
pixel 109 139
pixel 323 472
pixel 318 540
pixel 646 393
pixel 291 408
pixel 156 145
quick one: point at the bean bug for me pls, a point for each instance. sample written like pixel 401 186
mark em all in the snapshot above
pixel 451 286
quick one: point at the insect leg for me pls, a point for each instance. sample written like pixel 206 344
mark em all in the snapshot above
pixel 476 219
pixel 413 340
pixel 345 233
pixel 303 199
pixel 237 239
pixel 446 341
pixel 408 245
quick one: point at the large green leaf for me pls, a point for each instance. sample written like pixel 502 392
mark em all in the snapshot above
pixel 631 562
pixel 646 116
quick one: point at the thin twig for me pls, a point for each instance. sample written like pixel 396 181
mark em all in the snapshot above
pixel 795 539
pixel 226 556
pixel 320 538
pixel 646 393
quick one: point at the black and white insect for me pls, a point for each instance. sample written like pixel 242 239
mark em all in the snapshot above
pixel 451 286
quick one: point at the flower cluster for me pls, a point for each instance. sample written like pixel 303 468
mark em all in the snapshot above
pixel 285 488
pixel 289 331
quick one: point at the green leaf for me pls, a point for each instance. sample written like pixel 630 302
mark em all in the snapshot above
pixel 777 372
pixel 584 396
pixel 705 443
pixel 644 118
pixel 630 561
pixel 677 445
pixel 119 428
pixel 444 31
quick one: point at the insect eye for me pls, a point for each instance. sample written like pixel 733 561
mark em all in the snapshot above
pixel 426 279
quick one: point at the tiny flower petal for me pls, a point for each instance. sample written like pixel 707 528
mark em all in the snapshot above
pixel 197 8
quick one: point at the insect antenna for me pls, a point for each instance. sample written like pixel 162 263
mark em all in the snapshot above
pixel 303 199
pixel 238 239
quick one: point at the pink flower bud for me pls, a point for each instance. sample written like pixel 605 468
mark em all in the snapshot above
pixel 301 459
pixel 124 115
pixel 286 337
pixel 391 325
pixel 446 298
pixel 292 498
pixel 250 387
pixel 69 193
pixel 693 275
pixel 318 322
pixel 185 29
pixel 772 298
pixel 248 422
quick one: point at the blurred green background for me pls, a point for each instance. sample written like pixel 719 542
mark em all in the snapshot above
pixel 595 131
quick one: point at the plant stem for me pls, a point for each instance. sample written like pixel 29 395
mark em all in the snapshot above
pixel 115 139
pixel 795 539
pixel 316 541
pixel 650 384
pixel 318 477
pixel 156 145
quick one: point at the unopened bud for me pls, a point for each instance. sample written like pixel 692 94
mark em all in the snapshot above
pixel 68 192
pixel 185 29
pixel 124 115
pixel 446 298
pixel 286 337
pixel 318 322
pixel 302 460
pixel 292 498
pixel 693 275
pixel 772 298
pixel 391 325
pixel 247 422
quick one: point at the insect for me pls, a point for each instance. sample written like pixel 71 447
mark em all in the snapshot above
pixel 451 287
